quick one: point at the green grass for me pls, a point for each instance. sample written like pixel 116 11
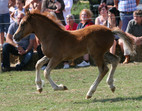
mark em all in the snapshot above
pixel 18 91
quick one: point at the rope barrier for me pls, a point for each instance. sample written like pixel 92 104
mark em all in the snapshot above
pixel 77 19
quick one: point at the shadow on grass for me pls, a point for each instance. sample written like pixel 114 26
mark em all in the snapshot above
pixel 118 99
pixel 138 98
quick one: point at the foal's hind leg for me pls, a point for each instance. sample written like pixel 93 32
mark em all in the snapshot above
pixel 114 60
pixel 103 69
pixel 51 65
pixel 39 64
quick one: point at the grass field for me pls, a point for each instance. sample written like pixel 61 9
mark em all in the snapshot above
pixel 18 91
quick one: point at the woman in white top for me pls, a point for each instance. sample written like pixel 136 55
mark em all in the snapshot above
pixel 102 18
pixel 67 9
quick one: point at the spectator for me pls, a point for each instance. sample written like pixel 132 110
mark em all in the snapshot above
pixel 94 4
pixel 71 25
pixel 20 9
pixel 23 47
pixel 109 3
pixel 33 4
pixel 12 7
pixel 56 6
pixel 30 5
pixel 67 10
pixel 114 21
pixel 85 17
pixel 134 30
pixel 102 18
pixel 126 8
pixel 4 19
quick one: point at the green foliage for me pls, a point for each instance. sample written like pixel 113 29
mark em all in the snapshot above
pixel 18 91
pixel 76 9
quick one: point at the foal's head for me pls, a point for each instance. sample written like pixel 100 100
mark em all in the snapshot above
pixel 24 28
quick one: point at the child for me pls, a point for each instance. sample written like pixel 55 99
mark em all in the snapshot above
pixel 19 6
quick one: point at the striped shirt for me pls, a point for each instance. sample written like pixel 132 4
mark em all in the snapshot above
pixel 127 5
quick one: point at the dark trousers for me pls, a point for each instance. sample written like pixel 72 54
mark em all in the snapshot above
pixel 7 49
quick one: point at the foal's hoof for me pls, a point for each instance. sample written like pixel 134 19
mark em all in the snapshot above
pixel 113 89
pixel 39 90
pixel 65 88
pixel 88 97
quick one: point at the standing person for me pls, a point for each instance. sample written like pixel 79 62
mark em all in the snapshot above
pixel 94 4
pixel 33 4
pixel 114 21
pixel 134 30
pixel 71 25
pixel 109 3
pixel 24 47
pixel 85 17
pixel 56 6
pixel 126 8
pixel 67 10
pixel 4 19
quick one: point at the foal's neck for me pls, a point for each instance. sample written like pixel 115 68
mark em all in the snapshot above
pixel 43 26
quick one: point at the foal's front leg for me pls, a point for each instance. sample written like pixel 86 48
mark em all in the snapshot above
pixel 38 81
pixel 51 65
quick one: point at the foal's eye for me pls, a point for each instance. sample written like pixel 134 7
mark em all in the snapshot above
pixel 22 25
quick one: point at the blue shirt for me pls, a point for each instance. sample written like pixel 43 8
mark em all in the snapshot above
pixel 127 5
pixel 23 42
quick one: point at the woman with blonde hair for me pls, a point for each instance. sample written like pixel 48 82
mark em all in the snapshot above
pixel 85 17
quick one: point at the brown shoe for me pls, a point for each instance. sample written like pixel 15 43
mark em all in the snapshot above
pixel 72 63
pixel 127 59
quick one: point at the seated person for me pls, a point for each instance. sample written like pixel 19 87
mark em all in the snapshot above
pixel 56 6
pixel 71 25
pixel 114 21
pixel 102 18
pixel 134 30
pixel 23 47
pixel 85 17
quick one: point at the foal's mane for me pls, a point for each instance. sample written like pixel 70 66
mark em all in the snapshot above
pixel 46 15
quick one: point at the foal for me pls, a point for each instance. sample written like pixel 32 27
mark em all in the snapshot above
pixel 60 45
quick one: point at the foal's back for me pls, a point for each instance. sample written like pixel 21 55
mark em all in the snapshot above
pixel 96 36
pixel 94 39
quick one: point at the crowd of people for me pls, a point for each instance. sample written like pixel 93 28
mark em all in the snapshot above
pixel 110 13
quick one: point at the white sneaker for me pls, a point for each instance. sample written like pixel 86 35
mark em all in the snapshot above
pixel 83 64
pixel 66 66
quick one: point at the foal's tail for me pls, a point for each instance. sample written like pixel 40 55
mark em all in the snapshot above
pixel 127 40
